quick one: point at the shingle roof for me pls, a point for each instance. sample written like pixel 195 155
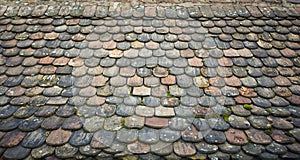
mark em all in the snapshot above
pixel 149 82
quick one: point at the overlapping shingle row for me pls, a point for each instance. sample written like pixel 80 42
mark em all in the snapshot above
pixel 149 82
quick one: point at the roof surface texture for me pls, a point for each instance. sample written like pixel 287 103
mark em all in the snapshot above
pixel 149 81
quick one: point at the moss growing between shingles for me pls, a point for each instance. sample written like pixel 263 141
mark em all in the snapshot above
pixel 249 140
pixel 247 106
pixel 123 122
pixel 269 111
pixel 142 103
pixel 198 116
pixel 47 133
pixel 225 116
pixel 268 132
pixel 169 95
